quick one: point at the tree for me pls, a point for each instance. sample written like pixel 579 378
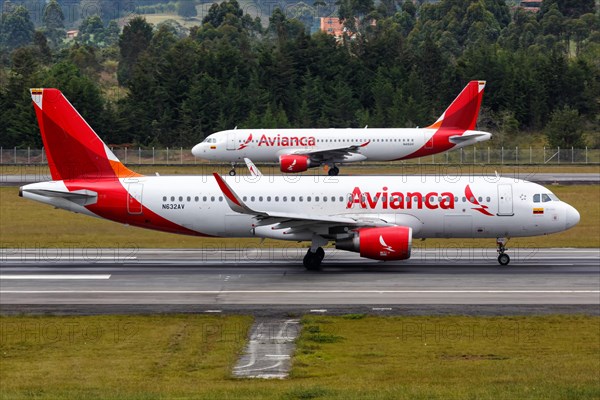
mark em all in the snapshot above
pixel 91 30
pixel 565 128
pixel 134 40
pixel 186 8
pixel 16 28
pixel 54 23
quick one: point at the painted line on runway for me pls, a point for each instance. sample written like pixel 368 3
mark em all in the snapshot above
pixel 297 292
pixel 53 277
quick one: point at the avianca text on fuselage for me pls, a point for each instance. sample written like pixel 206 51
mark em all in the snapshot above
pixel 285 141
pixel 400 200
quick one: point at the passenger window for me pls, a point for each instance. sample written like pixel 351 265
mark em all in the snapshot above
pixel 204 199
pixel 276 198
pixel 164 198
pixel 180 198
pixel 220 198
pixel 252 198
pixel 172 198
pixel 480 199
pixel 245 198
pixel 536 198
pixel 488 199
pixel 189 198
pixel 300 198
pixel 260 198
pixel 341 199
pixel 212 198
pixel 284 198
pixel 196 199
pixel 317 199
pixel 464 199
pixel 308 199
pixel 293 198
pixel 324 199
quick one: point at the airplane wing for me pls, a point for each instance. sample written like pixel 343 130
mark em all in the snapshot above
pixel 337 154
pixel 285 220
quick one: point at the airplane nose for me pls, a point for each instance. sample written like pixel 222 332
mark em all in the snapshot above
pixel 197 149
pixel 571 217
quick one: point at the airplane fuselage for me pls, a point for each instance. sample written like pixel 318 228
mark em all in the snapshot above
pixel 433 206
pixel 385 144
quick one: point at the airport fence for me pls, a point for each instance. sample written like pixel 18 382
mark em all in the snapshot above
pixel 471 155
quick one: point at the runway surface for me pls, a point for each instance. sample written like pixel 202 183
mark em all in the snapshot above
pixel 218 280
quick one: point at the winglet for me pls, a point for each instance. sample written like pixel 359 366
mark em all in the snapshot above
pixel 254 171
pixel 233 200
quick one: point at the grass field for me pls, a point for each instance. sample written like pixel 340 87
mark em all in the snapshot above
pixel 349 357
pixel 27 224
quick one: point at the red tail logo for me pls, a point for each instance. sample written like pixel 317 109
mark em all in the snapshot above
pixel 482 208
pixel 246 143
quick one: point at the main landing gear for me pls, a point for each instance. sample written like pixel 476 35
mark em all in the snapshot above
pixel 503 258
pixel 333 171
pixel 232 171
pixel 315 254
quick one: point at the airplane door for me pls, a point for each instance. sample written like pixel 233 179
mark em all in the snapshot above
pixel 134 198
pixel 505 200
pixel 231 141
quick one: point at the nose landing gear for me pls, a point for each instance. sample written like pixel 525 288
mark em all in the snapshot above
pixel 503 258
pixel 232 171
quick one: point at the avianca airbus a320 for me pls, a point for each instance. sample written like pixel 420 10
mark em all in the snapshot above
pixel 296 150
pixel 376 216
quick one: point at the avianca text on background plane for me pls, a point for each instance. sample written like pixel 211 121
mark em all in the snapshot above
pixel 376 216
pixel 296 150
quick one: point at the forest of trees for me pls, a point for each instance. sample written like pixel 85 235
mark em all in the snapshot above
pixel 399 65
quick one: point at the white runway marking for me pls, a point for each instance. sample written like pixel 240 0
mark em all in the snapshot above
pixel 53 277
pixel 296 292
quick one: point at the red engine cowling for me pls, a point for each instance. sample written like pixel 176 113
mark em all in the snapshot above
pixel 391 243
pixel 293 163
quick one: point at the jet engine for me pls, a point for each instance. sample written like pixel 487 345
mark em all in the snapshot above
pixel 389 243
pixel 293 163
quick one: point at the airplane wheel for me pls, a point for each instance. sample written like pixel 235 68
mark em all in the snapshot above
pixel 312 261
pixel 320 253
pixel 333 171
pixel 503 259
pixel 232 172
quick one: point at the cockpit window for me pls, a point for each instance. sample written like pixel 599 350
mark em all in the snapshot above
pixel 544 197
pixel 210 140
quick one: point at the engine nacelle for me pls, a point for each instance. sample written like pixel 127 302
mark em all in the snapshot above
pixel 389 243
pixel 293 163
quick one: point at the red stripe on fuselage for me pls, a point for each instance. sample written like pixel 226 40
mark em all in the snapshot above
pixel 112 205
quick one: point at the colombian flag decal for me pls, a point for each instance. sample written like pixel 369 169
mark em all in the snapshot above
pixel 538 210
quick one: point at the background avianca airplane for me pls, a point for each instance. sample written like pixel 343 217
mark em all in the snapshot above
pixel 296 150
pixel 376 216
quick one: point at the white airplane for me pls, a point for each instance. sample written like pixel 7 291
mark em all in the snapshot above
pixel 296 150
pixel 376 216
